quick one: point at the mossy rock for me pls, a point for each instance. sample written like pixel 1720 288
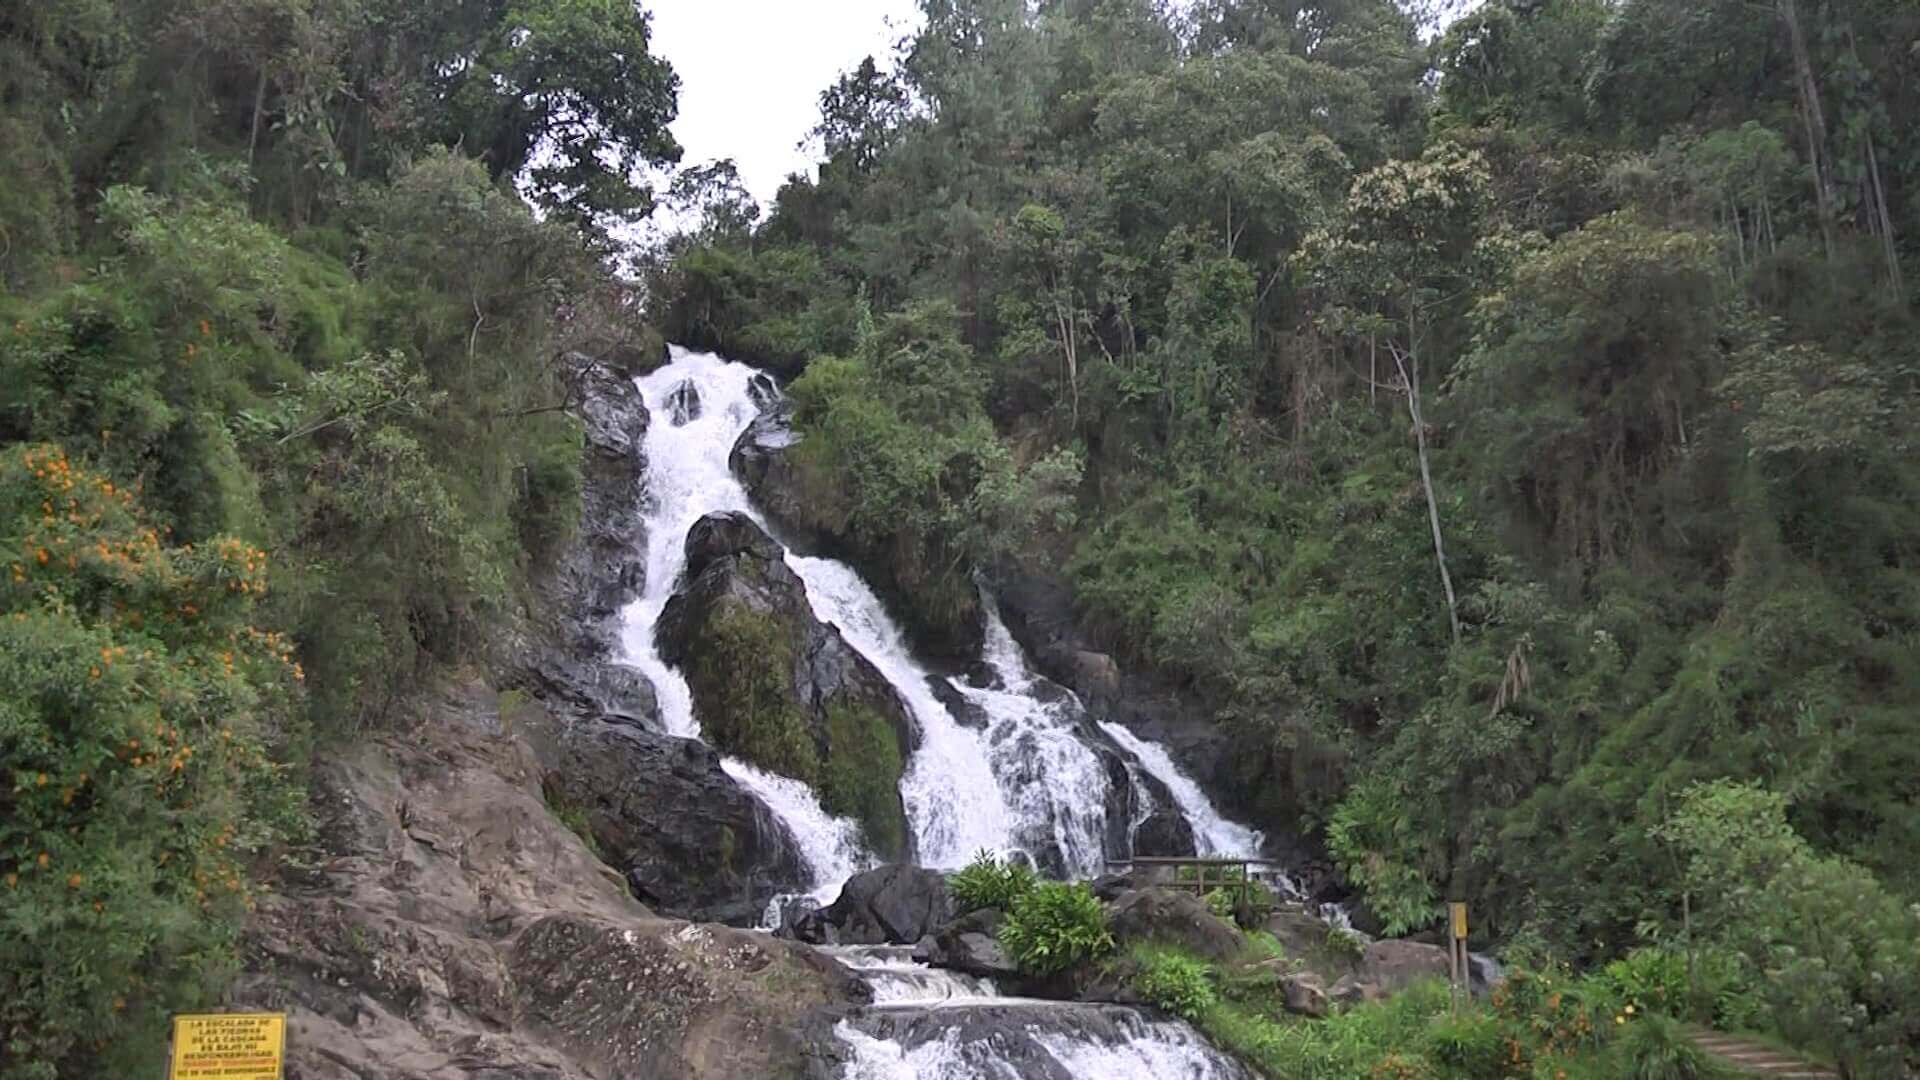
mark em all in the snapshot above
pixel 739 672
pixel 860 776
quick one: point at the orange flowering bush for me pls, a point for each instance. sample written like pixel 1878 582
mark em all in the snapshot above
pixel 141 714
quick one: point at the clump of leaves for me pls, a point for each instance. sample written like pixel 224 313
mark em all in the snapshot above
pixel 1178 983
pixel 1655 1048
pixel 1475 1045
pixel 990 882
pixel 1055 926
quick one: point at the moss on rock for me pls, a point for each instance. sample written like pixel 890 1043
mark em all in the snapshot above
pixel 740 675
pixel 860 777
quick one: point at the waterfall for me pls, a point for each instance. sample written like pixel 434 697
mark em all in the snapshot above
pixel 701 404
pixel 1060 788
pixel 1212 834
pixel 1015 774
pixel 955 805
pixel 1012 769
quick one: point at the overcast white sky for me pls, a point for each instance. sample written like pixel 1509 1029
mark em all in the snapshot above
pixel 751 72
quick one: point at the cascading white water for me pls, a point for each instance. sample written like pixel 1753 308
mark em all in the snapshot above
pixel 1141 1050
pixel 1212 834
pixel 686 446
pixel 954 803
pixel 898 979
pixel 1059 787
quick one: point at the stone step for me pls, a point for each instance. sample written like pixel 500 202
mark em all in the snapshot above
pixel 1757 1060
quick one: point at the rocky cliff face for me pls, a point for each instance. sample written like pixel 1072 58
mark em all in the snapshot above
pixel 446 924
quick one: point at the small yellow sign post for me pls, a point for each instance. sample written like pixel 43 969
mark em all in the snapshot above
pixel 229 1046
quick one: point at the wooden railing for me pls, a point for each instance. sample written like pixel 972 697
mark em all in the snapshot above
pixel 1209 873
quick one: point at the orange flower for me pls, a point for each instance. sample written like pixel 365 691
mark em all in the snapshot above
pixel 73 881
pixel 43 860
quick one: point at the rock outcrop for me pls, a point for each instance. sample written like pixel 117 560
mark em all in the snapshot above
pixel 566 656
pixel 971 946
pixel 1173 917
pixel 781 689
pixel 690 841
pixel 444 924
pixel 890 905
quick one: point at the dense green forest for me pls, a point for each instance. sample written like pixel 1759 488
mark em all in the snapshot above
pixel 283 356
pixel 1505 431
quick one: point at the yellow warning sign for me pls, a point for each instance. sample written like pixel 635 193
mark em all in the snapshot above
pixel 1459 921
pixel 229 1046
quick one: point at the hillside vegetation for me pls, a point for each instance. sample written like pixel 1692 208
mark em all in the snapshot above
pixel 283 369
pixel 1504 432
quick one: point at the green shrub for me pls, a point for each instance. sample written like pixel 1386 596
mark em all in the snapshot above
pixel 141 716
pixel 988 882
pixel 1650 978
pixel 1175 982
pixel 1475 1044
pixel 1653 1047
pixel 1055 926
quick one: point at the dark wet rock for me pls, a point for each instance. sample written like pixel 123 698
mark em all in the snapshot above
pixel 720 536
pixel 683 404
pixel 1166 831
pixel 1176 918
pixel 690 841
pixel 770 474
pixel 890 905
pixel 743 614
pixel 970 944
pixel 566 656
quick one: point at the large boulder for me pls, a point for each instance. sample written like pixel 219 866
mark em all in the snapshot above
pixel 774 685
pixel 1395 965
pixel 971 945
pixel 761 460
pixel 1175 918
pixel 890 905
pixel 690 840
pixel 672 999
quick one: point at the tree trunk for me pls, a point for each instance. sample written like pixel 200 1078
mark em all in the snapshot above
pixel 259 104
pixel 1814 118
pixel 1426 482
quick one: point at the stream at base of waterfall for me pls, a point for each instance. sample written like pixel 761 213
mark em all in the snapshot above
pixel 1028 780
